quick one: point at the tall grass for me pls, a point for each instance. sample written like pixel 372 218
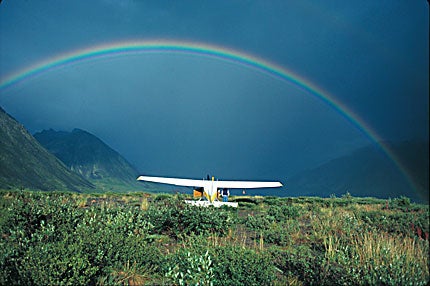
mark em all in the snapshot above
pixel 389 259
pixel 367 256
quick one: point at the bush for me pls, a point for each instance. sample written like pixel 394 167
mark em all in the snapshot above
pixel 257 222
pixel 302 262
pixel 48 239
pixel 239 266
pixel 405 223
pixel 191 269
pixel 219 265
pixel 284 212
pixel 277 226
pixel 180 219
pixel 281 234
pixel 54 238
pixel 61 262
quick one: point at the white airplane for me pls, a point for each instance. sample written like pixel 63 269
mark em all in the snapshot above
pixel 210 187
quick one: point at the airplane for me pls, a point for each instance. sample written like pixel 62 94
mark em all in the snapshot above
pixel 209 188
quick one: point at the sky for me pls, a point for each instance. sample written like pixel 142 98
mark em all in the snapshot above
pixel 172 113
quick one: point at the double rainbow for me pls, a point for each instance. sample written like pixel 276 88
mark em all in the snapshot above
pixel 211 51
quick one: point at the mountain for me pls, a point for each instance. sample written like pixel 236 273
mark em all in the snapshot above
pixel 85 154
pixel 24 163
pixel 369 172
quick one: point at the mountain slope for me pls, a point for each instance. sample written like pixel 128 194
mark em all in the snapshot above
pixel 87 155
pixel 24 163
pixel 368 172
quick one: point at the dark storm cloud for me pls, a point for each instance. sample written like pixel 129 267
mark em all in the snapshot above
pixel 186 115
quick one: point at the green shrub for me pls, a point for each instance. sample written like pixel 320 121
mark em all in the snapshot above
pixel 58 238
pixel 277 226
pixel 258 222
pixel 280 233
pixel 49 240
pixel 311 266
pixel 192 269
pixel 54 263
pixel 405 223
pixel 301 261
pixel 239 266
pixel 284 212
pixel 400 203
pixel 218 265
pixel 183 219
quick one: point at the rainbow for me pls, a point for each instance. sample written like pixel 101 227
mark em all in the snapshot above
pixel 211 51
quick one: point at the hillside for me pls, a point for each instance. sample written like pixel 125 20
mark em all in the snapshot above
pixel 368 172
pixel 24 163
pixel 85 154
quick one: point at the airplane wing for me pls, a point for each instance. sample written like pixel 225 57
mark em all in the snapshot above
pixel 207 184
pixel 176 181
pixel 246 184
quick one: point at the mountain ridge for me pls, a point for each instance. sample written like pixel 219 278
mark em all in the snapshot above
pixel 24 163
pixel 86 154
pixel 367 171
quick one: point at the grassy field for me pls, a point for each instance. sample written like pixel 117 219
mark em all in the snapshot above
pixel 146 239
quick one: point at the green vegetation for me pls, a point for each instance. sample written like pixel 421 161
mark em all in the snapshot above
pixel 142 239
pixel 24 163
pixel 88 156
